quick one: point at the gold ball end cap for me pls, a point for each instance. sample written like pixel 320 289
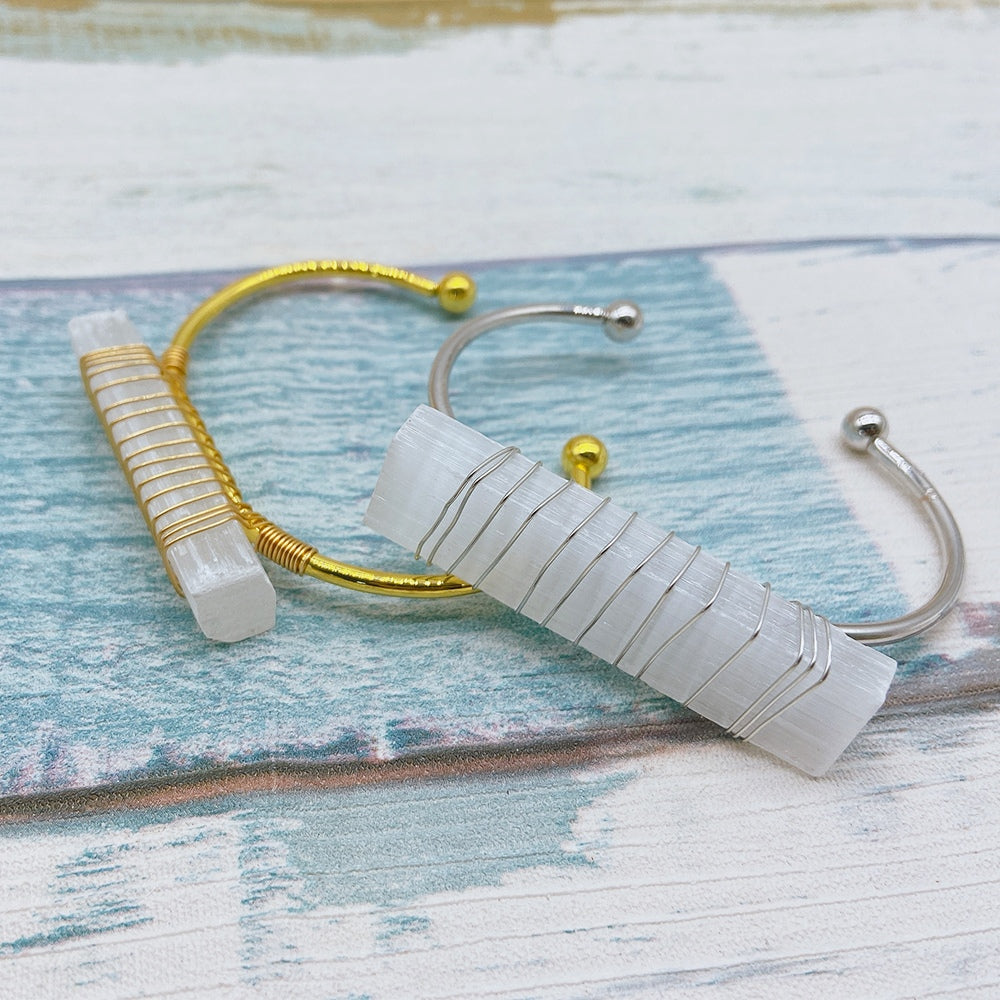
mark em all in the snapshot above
pixel 456 292
pixel 587 452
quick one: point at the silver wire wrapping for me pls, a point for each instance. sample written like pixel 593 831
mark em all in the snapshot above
pixel 777 697
pixel 771 671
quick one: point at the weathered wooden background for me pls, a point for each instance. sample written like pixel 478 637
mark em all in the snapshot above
pixel 153 138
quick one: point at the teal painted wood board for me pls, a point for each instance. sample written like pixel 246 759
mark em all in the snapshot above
pixel 105 676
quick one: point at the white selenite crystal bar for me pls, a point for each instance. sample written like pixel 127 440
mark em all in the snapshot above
pixel 796 687
pixel 204 545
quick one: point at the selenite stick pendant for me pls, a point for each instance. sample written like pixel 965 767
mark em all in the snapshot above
pixel 204 548
pixel 770 671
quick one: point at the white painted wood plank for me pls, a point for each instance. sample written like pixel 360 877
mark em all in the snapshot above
pixel 645 129
pixel 702 874
pixel 916 338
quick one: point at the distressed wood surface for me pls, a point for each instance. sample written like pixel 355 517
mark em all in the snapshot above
pixel 345 678
pixel 622 132
pixel 692 867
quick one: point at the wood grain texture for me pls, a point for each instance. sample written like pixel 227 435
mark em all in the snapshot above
pixel 646 129
pixel 116 684
pixel 693 872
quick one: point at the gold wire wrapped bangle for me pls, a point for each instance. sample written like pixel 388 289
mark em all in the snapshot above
pixel 455 293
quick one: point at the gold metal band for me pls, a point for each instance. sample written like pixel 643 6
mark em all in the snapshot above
pixel 455 293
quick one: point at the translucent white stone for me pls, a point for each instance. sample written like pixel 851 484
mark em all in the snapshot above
pixel 205 548
pixel 655 606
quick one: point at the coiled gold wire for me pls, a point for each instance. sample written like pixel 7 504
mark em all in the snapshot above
pixel 455 293
pixel 157 470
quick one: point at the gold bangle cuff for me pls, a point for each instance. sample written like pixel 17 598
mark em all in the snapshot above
pixel 455 293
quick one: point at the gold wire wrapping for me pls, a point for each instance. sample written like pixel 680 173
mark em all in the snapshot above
pixel 179 462
pixel 455 294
